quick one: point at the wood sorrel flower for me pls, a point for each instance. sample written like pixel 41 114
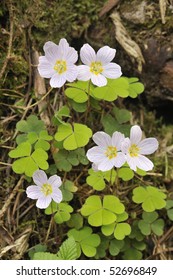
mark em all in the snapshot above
pixel 45 189
pixel 107 154
pixel 135 149
pixel 97 65
pixel 58 63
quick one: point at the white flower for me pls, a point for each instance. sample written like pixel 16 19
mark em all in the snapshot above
pixel 58 63
pixel 135 148
pixel 97 65
pixel 45 189
pixel 107 154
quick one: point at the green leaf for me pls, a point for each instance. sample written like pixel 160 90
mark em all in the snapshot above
pixel 62 211
pixel 76 221
pixel 151 223
pixel 87 242
pixel 78 107
pixel 68 188
pixel 122 115
pixel 68 250
pixel 135 87
pixel 102 213
pixel 169 207
pixel 97 179
pixel 76 94
pixel 125 173
pixel 75 137
pixel 22 150
pixel 32 124
pixel 64 111
pixel 111 125
pixel 115 247
pixel 45 256
pixel 150 197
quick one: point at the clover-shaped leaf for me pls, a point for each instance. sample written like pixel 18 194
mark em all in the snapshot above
pixel 76 221
pixel 122 115
pixel 97 179
pixel 115 246
pixel 169 208
pixel 111 125
pixel 133 249
pixel 125 173
pixel 102 212
pixel 103 246
pixel 87 242
pixel 68 188
pixel 62 211
pixel 118 228
pixel 78 91
pixel 151 223
pixel 73 137
pixel 64 111
pixel 32 124
pixel 150 197
pixel 27 162
pixel 135 87
pixel 135 232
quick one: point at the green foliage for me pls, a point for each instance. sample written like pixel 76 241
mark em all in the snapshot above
pixel 76 221
pixel 116 121
pixel 73 137
pixel 32 124
pixel 118 228
pixel 151 223
pixel 64 111
pixel 68 188
pixel 115 247
pixel 150 197
pixel 121 87
pixel 67 251
pixel 28 162
pixel 98 179
pixel 169 208
pixel 102 212
pixel 125 173
pixel 87 242
pixel 62 211
pixel 133 249
pixel 64 159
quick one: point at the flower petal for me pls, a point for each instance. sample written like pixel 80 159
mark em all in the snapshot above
pixel 125 145
pixel 57 196
pixel 102 139
pixel 43 202
pixel 112 71
pixel 87 54
pixel 105 165
pixel 39 178
pixel 63 47
pixel 117 139
pixel 84 73
pixel 132 162
pixel 144 163
pixel 57 81
pixel 71 73
pixel 45 69
pixel 135 134
pixel 33 192
pixel 119 160
pixel 98 80
pixel 72 55
pixel 55 181
pixel 148 146
pixel 51 52
pixel 96 154
pixel 105 54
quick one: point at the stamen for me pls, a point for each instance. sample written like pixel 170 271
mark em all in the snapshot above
pixel 134 150
pixel 111 152
pixel 96 67
pixel 46 189
pixel 60 66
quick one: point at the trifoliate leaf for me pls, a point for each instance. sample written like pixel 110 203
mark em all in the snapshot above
pixel 150 197
pixel 122 115
pixel 125 173
pixel 102 212
pixel 32 124
pixel 62 211
pixel 169 207
pixel 76 221
pixel 135 87
pixel 115 247
pixel 151 223
pixel 68 188
pixel 97 179
pixel 87 242
pixel 22 150
pixel 75 137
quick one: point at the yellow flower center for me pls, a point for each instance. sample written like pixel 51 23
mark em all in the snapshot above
pixel 111 152
pixel 60 66
pixel 134 150
pixel 46 189
pixel 96 67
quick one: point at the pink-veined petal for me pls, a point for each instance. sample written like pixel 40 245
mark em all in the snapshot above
pixel 33 191
pixel 45 69
pixel 71 73
pixel 144 163
pixel 135 134
pixel 98 80
pixel 39 178
pixel 102 139
pixel 119 160
pixel 63 48
pixel 57 80
pixel 105 165
pixel 51 52
pixel 57 196
pixel 148 146
pixel 132 162
pixel 117 139
pixel 55 181
pixel 84 73
pixel 43 202
pixel 71 56
pixel 96 154
pixel 125 145
pixel 87 54
pixel 105 54
pixel 112 71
